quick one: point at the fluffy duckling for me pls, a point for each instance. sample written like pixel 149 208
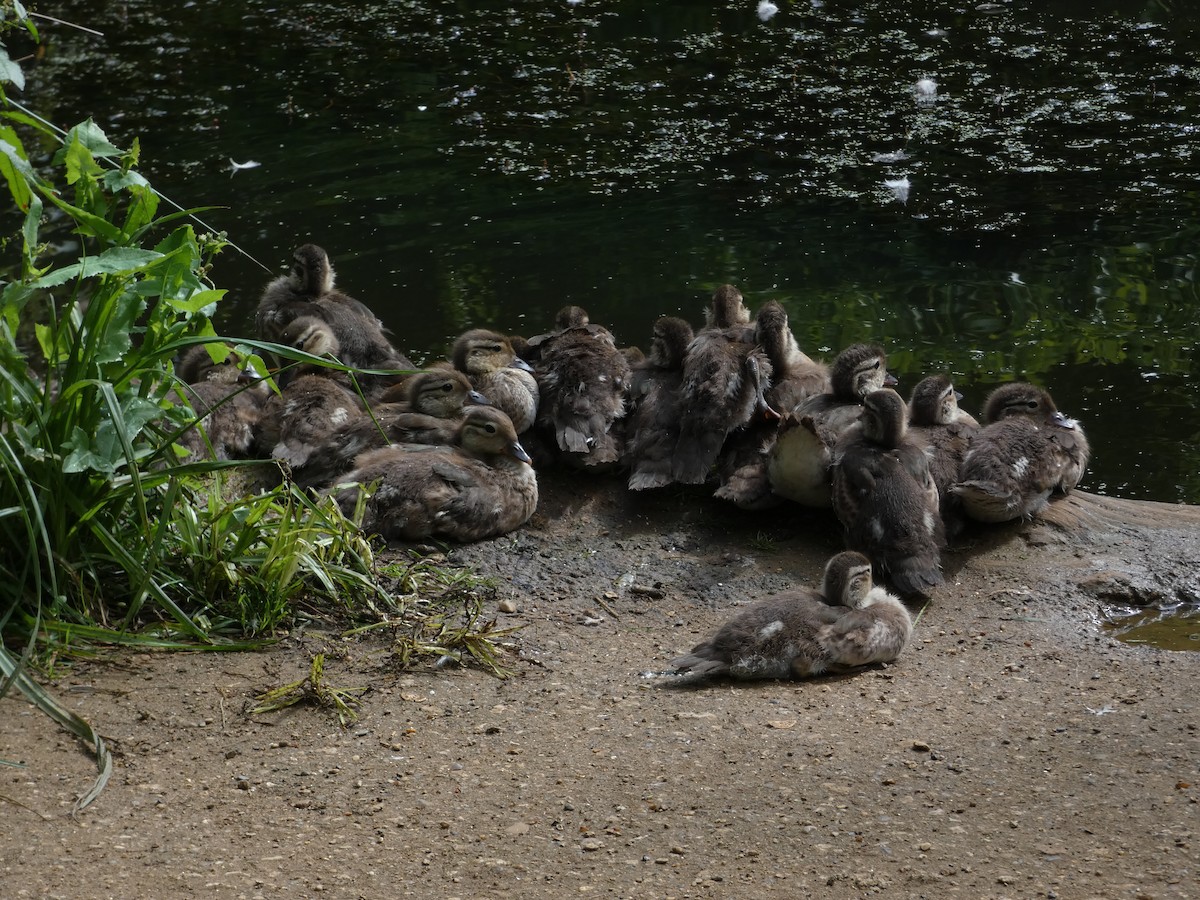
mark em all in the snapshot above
pixel 798 463
pixel 481 487
pixel 885 497
pixel 582 380
pixel 725 379
pixel 795 377
pixel 495 370
pixel 311 279
pixel 653 426
pixel 227 397
pixel 430 413
pixel 1027 451
pixel 308 410
pixel 352 341
pixel 935 418
pixel 799 633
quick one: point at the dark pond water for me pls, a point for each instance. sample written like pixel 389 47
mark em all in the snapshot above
pixel 995 189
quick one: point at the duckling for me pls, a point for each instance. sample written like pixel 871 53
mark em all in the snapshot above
pixel 798 463
pixel 653 426
pixel 311 279
pixel 936 419
pixel 227 398
pixel 795 377
pixel 309 409
pixel 725 379
pixel 481 487
pixel 800 633
pixel 429 414
pixel 499 374
pixel 352 341
pixel 885 497
pixel 582 380
pixel 197 364
pixel 1026 452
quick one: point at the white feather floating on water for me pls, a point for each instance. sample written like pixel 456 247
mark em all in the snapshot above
pixel 925 90
pixel 235 166
pixel 766 10
pixel 899 187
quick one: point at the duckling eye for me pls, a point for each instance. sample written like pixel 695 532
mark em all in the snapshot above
pixel 447 388
pixel 490 429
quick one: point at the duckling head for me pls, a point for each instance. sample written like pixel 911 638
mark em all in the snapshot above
pixel 847 580
pixel 728 308
pixel 772 333
pixel 441 393
pixel 884 417
pixel 487 431
pixel 571 317
pixel 858 370
pixel 312 273
pixel 481 352
pixel 934 401
pixel 312 335
pixel 1019 399
pixel 669 343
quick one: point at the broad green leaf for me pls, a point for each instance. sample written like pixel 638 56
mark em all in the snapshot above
pixel 86 457
pixel 88 223
pixel 201 301
pixel 116 339
pixel 90 135
pixel 58 276
pixel 116 180
pixel 33 221
pixel 120 261
pixel 17 171
pixel 15 165
pixel 10 71
pixel 80 162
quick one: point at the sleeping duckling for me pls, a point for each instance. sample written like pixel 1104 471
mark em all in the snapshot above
pixel 353 342
pixel 430 413
pixel 228 399
pixel 311 279
pixel 481 487
pixel 795 377
pixel 1026 452
pixel 582 380
pixel 798 463
pixel 725 378
pixel 306 413
pixel 499 374
pixel 885 497
pixel 946 430
pixel 653 426
pixel 800 633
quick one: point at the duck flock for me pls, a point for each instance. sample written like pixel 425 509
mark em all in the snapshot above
pixel 450 450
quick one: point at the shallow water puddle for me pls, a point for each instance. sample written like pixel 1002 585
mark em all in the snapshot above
pixel 1176 628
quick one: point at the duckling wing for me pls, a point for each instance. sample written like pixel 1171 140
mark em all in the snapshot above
pixel 481 501
pixel 1072 452
pixel 774 638
pixel 652 433
pixel 724 382
pixel 1009 471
